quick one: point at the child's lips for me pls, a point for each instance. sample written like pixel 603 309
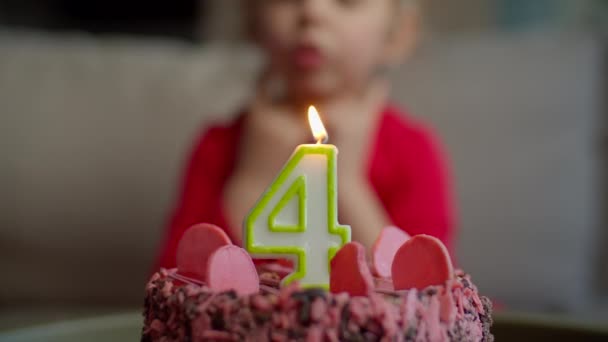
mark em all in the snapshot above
pixel 307 57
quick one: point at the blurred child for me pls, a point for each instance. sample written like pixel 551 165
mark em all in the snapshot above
pixel 334 54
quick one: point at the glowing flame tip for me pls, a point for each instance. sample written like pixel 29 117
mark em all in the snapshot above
pixel 316 125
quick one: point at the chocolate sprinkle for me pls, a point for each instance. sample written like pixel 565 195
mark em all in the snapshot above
pixel 174 311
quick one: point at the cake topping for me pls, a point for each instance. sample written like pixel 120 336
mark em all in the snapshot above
pixel 231 268
pixel 425 299
pixel 206 256
pixel 281 267
pixel 195 247
pixel 198 313
pixel 349 271
pixel 384 249
pixel 420 262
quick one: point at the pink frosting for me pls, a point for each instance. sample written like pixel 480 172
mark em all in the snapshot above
pixel 448 310
pixel 437 313
pixel 409 306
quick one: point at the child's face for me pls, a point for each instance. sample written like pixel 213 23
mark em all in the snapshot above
pixel 325 47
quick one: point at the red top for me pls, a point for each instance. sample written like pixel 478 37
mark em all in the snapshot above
pixel 407 169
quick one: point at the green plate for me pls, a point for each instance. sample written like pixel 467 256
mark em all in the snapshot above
pixel 127 327
pixel 117 327
pixel 522 327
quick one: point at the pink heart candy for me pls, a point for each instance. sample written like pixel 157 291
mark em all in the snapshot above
pixel 195 247
pixel 384 249
pixel 349 271
pixel 231 268
pixel 422 261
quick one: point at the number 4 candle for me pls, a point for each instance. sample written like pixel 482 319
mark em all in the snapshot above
pixel 297 216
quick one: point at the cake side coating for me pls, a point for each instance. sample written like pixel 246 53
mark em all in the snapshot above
pixel 179 310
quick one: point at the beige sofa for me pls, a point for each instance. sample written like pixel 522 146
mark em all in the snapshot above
pixel 93 133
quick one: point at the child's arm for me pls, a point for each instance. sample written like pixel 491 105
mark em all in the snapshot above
pixel 420 199
pixel 354 125
pixel 360 207
pixel 269 136
pixel 196 201
pixel 415 195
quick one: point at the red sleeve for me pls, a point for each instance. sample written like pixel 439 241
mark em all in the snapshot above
pixel 199 198
pixel 420 200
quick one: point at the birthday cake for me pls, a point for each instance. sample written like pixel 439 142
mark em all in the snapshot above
pixel 407 292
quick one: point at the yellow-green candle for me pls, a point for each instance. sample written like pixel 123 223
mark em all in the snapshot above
pixel 297 216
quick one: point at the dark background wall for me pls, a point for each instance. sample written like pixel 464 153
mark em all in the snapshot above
pixel 177 19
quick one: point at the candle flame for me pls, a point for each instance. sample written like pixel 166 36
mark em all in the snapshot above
pixel 316 125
